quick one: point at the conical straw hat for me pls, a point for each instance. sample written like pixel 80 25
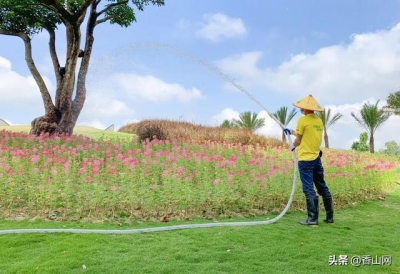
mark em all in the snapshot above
pixel 308 103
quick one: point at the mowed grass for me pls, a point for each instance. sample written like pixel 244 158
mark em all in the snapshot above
pixel 370 228
pixel 79 130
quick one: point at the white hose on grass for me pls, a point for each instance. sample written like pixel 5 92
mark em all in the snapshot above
pixel 189 226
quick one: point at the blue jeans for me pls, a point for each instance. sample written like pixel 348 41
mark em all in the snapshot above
pixel 312 173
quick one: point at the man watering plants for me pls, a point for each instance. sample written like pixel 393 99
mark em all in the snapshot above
pixel 308 141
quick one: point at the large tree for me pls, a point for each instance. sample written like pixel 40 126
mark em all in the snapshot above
pixel 391 148
pixel 361 145
pixel 25 18
pixel 327 121
pixel 393 103
pixel 284 117
pixel 371 119
pixel 250 121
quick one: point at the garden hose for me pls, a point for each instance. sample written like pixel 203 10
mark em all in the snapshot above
pixel 179 227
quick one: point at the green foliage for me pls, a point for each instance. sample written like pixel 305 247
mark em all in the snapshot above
pixel 391 148
pixel 27 16
pixel 283 116
pixel 327 121
pixel 32 16
pixel 393 103
pixel 371 119
pixel 227 124
pixel 361 145
pixel 250 121
pixel 326 118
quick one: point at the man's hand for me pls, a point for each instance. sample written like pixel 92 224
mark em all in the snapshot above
pixel 288 131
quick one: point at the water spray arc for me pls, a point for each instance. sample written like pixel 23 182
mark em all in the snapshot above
pixel 189 226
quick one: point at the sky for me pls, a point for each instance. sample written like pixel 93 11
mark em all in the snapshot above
pixel 185 60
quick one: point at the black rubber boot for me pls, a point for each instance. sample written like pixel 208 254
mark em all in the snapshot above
pixel 328 204
pixel 312 212
pixel 316 204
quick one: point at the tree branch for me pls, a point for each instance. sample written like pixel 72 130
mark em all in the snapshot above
pixel 56 63
pixel 111 6
pixel 59 8
pixel 105 19
pixel 10 33
pixel 85 6
pixel 48 103
pixel 80 95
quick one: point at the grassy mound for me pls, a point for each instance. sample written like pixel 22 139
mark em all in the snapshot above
pixel 180 130
pixel 88 131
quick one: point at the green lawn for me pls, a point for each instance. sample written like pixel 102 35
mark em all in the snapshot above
pixel 84 130
pixel 371 229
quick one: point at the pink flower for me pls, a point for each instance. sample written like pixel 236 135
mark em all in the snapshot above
pixel 95 171
pixel 120 156
pixel 233 158
pixel 34 158
pixel 82 170
pixel 216 181
pixel 239 172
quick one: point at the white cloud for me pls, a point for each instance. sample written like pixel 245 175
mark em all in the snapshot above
pixel 153 89
pixel 271 128
pixel 184 24
pixel 217 26
pixel 225 114
pixel 346 130
pixel 18 89
pixel 98 105
pixel 368 67
pixel 342 134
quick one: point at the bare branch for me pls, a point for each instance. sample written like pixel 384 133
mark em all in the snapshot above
pixel 56 64
pixel 48 103
pixel 105 19
pixel 80 96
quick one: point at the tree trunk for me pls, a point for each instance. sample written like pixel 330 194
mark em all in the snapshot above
pixel 371 143
pixel 51 123
pixel 64 114
pixel 326 139
pixel 283 138
pixel 61 116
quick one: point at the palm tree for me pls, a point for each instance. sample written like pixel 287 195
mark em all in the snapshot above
pixel 327 121
pixel 283 117
pixel 393 103
pixel 248 120
pixel 371 119
pixel 227 124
